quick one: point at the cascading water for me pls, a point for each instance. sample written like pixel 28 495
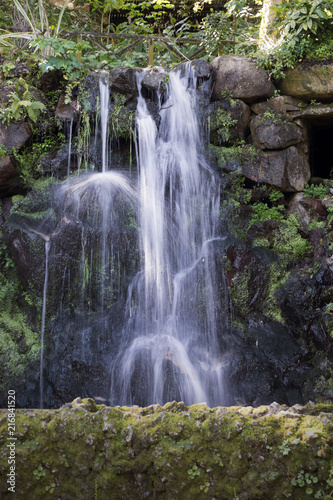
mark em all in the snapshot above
pixel 104 103
pixel 70 148
pixel 134 270
pixel 41 380
pixel 169 348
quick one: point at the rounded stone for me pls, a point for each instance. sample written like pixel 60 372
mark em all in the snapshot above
pixel 240 78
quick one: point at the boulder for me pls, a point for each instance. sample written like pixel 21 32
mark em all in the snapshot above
pixel 14 135
pixel 309 83
pixel 123 80
pixel 66 111
pixel 276 105
pixel 229 121
pixel 203 70
pixel 155 79
pixel 314 111
pixel 287 170
pixel 10 180
pixel 274 133
pixel 240 78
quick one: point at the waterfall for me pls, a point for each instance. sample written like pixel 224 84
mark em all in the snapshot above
pixel 104 102
pixel 41 364
pixel 70 148
pixel 169 347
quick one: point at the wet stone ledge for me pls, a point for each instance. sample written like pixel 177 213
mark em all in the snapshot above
pixel 84 450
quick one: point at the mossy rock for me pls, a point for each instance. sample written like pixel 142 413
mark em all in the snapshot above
pixel 84 450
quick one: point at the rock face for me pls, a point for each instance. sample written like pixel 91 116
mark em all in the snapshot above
pixel 173 451
pixel 123 80
pixel 240 78
pixel 274 133
pixel 315 82
pixel 10 179
pixel 15 135
pixel 66 111
pixel 287 170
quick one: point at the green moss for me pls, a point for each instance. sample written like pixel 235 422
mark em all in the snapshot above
pixel 240 291
pixel 170 452
pixel 234 157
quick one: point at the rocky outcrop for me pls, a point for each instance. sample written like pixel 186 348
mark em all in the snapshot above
pixel 66 111
pixel 10 180
pixel 86 449
pixel 274 133
pixel 240 78
pixel 309 83
pixel 123 80
pixel 287 170
pixel 15 135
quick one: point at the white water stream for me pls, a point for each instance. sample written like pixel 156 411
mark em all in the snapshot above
pixel 41 363
pixel 170 348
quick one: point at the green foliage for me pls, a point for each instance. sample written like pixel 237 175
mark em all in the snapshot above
pixel 288 241
pixel 39 472
pixel 263 212
pixel 7 68
pixel 32 21
pixel 30 159
pixel 3 151
pixel 230 30
pixel 315 191
pixel 64 56
pixel 302 30
pixel 193 472
pixel 305 479
pixel 224 123
pixel 239 291
pixel 21 104
pixel 300 18
pixel 19 345
pixel 284 448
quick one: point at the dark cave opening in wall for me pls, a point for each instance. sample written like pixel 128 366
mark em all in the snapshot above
pixel 321 139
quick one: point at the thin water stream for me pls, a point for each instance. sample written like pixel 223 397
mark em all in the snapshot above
pixel 41 364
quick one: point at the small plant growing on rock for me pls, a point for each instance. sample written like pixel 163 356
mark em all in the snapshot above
pixel 284 448
pixel 305 479
pixel 193 472
pixel 315 191
pixel 38 473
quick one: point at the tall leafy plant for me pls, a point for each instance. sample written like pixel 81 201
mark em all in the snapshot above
pixel 34 23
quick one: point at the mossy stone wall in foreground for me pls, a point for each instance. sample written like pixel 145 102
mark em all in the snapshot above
pixel 83 451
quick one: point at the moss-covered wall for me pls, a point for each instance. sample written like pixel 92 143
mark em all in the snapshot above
pixel 89 451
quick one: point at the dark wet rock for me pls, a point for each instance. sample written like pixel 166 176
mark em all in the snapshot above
pixel 10 180
pixel 274 133
pixel 15 135
pixel 155 80
pixel 240 78
pixel 287 170
pixel 67 111
pixel 203 70
pixel 123 80
pixel 51 81
pixel 276 105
